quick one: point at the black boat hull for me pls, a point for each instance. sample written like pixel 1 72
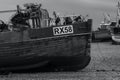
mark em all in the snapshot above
pixel 101 35
pixel 45 48
pixel 65 51
pixel 71 63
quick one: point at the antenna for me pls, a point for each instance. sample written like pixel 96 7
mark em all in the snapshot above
pixel 8 11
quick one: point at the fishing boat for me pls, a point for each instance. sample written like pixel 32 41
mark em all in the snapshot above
pixel 29 41
pixel 103 32
pixel 115 35
pixel 115 28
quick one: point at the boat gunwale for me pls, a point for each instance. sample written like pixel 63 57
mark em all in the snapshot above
pixel 80 34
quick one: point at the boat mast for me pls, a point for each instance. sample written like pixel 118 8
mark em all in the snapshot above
pixel 118 14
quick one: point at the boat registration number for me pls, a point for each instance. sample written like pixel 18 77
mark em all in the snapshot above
pixel 63 30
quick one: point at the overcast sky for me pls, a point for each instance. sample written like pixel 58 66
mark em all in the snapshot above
pixel 94 8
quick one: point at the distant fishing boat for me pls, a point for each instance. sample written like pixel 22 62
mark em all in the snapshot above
pixel 115 35
pixel 115 28
pixel 103 32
